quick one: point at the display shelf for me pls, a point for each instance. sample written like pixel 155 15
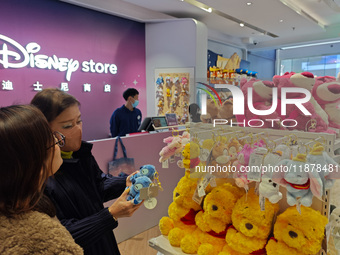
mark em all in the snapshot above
pixel 161 244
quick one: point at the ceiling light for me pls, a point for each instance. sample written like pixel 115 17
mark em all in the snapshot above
pixel 206 9
pixel 307 45
pixel 241 25
pixel 281 20
pixel 249 3
pixel 302 13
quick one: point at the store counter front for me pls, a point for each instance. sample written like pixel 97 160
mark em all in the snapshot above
pixel 144 148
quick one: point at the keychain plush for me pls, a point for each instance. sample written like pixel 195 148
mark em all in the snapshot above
pixel 268 188
pixel 146 170
pixel 301 183
pixel 323 164
pixel 241 162
pixel 140 182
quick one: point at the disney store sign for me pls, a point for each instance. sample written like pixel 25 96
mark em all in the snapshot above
pixel 14 55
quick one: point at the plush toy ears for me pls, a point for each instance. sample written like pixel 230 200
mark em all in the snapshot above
pixel 316 185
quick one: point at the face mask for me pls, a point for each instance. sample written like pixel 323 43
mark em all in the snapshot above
pixel 134 105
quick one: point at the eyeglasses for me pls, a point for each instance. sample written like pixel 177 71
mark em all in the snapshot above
pixel 60 139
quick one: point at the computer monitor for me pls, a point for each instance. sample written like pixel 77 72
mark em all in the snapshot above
pixel 146 125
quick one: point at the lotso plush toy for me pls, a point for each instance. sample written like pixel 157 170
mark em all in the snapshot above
pixel 209 237
pixel 318 120
pixel 300 181
pixel 262 95
pixel 134 192
pixel 326 92
pixel 297 234
pixel 182 211
pixel 250 226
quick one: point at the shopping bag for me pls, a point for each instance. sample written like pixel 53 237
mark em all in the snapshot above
pixel 122 165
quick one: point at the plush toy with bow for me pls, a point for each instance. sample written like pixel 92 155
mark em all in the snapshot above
pixel 134 192
pixel 301 183
pixel 146 170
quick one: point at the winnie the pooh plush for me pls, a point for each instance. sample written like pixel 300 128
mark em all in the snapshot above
pixel 250 226
pixel 212 222
pixel 297 234
pixel 182 211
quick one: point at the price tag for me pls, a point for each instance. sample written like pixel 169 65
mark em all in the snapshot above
pixel 255 164
pixel 150 203
pixel 165 164
pixel 204 154
pixel 146 193
pixel 262 203
pixel 197 198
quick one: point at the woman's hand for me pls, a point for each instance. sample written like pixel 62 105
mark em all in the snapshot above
pixel 128 181
pixel 122 208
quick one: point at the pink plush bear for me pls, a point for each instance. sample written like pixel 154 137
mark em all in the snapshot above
pixel 318 120
pixel 242 160
pixel 326 92
pixel 262 94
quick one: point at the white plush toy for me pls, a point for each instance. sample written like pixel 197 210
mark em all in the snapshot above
pixel 323 164
pixel 301 184
pixel 268 188
pixel 335 224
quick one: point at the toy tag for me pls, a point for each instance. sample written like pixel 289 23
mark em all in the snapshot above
pixel 262 203
pixel 197 198
pixel 201 187
pixel 150 203
pixel 298 205
pixel 255 164
pixel 165 164
pixel 150 192
pixel 172 160
pixel 204 154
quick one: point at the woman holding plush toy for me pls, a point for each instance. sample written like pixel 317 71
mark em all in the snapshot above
pixel 79 188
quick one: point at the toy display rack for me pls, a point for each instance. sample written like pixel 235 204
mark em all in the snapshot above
pixel 205 131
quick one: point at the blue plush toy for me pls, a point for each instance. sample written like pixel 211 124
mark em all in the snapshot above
pixel 146 170
pixel 140 182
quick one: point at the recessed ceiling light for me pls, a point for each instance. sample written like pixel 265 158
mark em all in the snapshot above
pixel 281 20
pixel 249 3
pixel 241 25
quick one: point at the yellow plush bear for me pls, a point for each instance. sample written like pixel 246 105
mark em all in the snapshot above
pixel 297 234
pixel 251 226
pixel 208 238
pixel 182 211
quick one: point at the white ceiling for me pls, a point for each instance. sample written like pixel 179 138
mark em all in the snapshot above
pixel 261 18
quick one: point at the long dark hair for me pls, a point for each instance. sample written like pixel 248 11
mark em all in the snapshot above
pixel 53 101
pixel 24 138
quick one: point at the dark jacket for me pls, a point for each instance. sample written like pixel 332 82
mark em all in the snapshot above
pixel 78 190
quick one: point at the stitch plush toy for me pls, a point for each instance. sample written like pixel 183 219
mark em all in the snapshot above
pixel 326 92
pixel 140 182
pixel 250 226
pixel 297 234
pixel 209 237
pixel 301 183
pixel 146 170
pixel 182 211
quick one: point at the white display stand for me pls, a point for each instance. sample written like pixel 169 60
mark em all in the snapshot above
pixel 205 131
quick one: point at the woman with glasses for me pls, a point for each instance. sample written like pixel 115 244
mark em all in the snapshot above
pixel 29 154
pixel 79 188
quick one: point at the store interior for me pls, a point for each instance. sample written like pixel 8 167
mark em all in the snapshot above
pixel 96 49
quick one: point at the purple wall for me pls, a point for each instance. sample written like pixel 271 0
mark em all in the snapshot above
pixel 72 32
